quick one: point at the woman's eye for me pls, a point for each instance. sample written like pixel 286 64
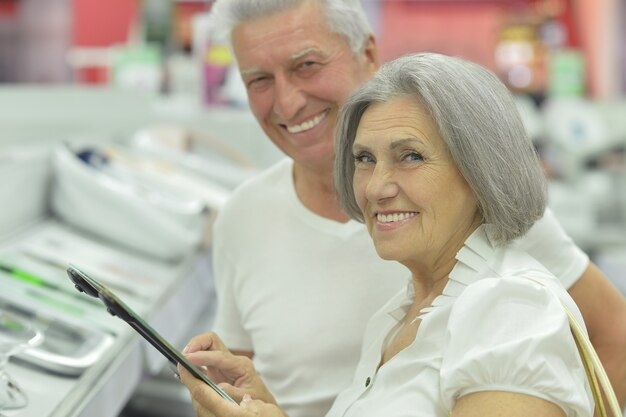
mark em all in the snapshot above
pixel 362 158
pixel 412 157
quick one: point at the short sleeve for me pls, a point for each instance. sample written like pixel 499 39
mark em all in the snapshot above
pixel 512 334
pixel 228 324
pixel 547 242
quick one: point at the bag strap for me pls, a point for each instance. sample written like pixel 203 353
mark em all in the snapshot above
pixel 598 379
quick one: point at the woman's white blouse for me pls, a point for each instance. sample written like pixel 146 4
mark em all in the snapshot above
pixel 494 328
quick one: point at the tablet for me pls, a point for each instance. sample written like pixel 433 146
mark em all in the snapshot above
pixel 116 307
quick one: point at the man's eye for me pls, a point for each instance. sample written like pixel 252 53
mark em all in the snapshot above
pixel 258 82
pixel 306 66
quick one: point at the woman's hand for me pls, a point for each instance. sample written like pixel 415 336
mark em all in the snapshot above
pixel 261 409
pixel 208 403
pixel 234 374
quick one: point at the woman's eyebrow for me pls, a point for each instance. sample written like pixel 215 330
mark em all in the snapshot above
pixel 359 147
pixel 393 145
pixel 402 142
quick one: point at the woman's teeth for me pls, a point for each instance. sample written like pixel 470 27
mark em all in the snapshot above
pixel 395 217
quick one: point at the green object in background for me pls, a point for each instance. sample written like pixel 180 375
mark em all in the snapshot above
pixel 8 324
pixel 23 276
pixel 157 21
pixel 566 73
pixel 138 68
pixel 36 281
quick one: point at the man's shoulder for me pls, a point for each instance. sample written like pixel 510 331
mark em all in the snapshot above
pixel 258 192
pixel 546 228
pixel 268 179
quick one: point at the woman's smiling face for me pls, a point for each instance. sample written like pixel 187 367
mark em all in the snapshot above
pixel 415 203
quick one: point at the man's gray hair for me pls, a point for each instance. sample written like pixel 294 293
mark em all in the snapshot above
pixel 344 17
pixel 479 122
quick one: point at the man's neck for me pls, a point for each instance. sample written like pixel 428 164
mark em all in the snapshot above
pixel 316 192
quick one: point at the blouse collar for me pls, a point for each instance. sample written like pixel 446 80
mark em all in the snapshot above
pixel 473 263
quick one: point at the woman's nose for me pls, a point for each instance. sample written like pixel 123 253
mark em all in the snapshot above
pixel 381 185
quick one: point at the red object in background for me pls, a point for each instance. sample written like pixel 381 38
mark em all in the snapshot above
pixel 567 19
pixel 8 8
pixel 464 29
pixel 101 24
pixel 92 75
pixel 183 14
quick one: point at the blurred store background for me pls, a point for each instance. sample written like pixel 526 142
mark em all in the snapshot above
pixel 144 84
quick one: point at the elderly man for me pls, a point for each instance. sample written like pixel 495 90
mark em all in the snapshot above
pixel 287 258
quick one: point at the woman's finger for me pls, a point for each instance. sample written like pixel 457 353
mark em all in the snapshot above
pixel 205 341
pixel 260 409
pixel 221 360
pixel 207 402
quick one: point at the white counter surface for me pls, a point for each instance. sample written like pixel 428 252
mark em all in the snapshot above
pixel 103 389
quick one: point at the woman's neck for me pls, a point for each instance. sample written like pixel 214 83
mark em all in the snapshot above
pixel 429 283
pixel 430 276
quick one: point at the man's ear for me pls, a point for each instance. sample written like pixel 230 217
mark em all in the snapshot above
pixel 370 53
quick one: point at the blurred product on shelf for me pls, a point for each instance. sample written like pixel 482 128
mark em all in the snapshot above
pixel 16 335
pixel 26 176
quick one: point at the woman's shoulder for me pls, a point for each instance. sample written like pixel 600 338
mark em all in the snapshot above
pixel 530 292
pixel 511 333
pixel 501 274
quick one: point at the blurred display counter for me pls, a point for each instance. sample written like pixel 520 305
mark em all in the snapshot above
pixel 172 297
pixel 43 114
pixel 177 296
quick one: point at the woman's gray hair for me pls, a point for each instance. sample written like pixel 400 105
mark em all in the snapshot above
pixel 478 120
pixel 344 17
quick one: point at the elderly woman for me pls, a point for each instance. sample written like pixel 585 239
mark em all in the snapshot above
pixel 432 156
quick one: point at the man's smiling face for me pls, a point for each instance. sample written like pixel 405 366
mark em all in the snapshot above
pixel 297 75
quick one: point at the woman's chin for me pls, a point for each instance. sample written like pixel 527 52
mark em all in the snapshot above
pixel 387 255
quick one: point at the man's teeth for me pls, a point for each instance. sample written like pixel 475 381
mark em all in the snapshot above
pixel 309 124
pixel 395 217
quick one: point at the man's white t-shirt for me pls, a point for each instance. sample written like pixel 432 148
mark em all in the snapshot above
pixel 298 289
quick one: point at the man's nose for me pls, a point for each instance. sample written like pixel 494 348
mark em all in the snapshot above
pixel 289 98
